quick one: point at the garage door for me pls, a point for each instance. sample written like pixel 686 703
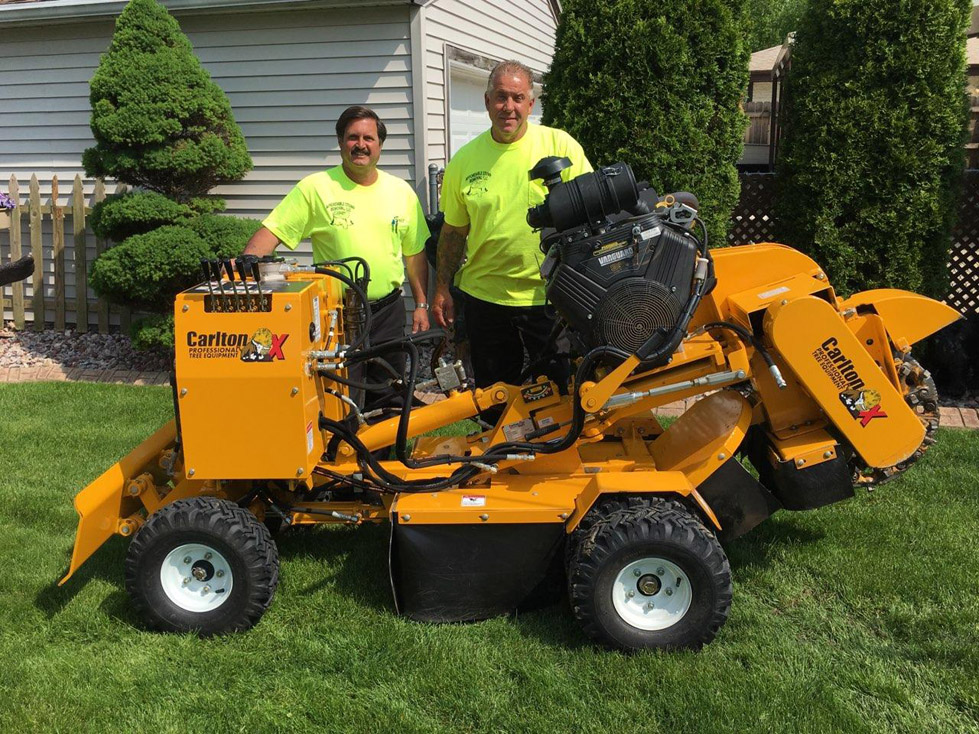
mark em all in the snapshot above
pixel 467 112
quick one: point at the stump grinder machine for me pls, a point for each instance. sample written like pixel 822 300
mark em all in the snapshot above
pixel 577 482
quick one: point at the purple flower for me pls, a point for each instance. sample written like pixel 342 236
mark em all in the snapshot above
pixel 6 202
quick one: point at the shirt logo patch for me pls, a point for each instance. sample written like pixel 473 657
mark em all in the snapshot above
pixel 478 183
pixel 339 213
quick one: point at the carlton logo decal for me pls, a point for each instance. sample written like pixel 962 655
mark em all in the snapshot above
pixel 262 346
pixel 861 402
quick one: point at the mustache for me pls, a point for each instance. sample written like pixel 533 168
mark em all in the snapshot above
pixel 356 151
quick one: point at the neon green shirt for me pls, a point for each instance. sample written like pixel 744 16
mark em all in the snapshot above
pixel 487 187
pixel 380 223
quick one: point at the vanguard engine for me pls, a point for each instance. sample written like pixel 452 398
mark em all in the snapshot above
pixel 623 268
pixel 577 483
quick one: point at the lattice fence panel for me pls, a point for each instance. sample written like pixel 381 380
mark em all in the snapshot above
pixel 963 264
pixel 752 220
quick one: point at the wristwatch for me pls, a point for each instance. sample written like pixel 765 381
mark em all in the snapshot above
pixel 421 305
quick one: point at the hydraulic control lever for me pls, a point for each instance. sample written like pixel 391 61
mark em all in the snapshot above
pixel 231 277
pixel 257 275
pixel 249 301
pixel 215 267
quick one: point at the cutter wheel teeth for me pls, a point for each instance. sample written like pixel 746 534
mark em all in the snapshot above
pixel 920 393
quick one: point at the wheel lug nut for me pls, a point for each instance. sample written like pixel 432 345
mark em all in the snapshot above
pixel 206 589
pixel 186 580
pixel 637 572
pixel 207 556
pixel 219 574
pixel 660 571
pixel 669 592
pixel 187 559
pixel 630 593
pixel 650 606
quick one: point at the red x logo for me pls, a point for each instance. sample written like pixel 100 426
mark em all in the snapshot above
pixel 868 415
pixel 275 351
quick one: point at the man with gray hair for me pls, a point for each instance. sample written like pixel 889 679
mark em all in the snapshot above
pixel 486 192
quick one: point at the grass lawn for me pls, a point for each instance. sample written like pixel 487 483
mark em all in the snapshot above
pixel 863 616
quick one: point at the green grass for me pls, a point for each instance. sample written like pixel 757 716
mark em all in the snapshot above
pixel 858 617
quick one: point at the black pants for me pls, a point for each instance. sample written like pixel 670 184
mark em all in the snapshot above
pixel 502 338
pixel 387 323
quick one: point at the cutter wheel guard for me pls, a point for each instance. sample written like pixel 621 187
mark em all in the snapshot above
pixel 577 483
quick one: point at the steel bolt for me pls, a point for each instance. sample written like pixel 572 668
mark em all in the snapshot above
pixel 660 571
pixel 669 592
pixel 630 593
pixel 295 391
pixel 125 530
pixel 206 589
pixel 406 518
pixel 186 308
pixel 191 472
pixel 721 456
pixel 219 574
pixel 183 391
pixel 800 462
pixel 186 580
pixel 207 556
pixel 650 606
pixel 288 307
pixel 299 472
pixel 187 559
pixel 828 455
pixel 637 572
pixel 484 517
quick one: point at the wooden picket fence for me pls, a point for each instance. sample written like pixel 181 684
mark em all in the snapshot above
pixel 47 301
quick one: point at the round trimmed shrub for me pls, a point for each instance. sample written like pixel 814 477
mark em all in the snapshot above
pixel 121 215
pixel 657 84
pixel 146 270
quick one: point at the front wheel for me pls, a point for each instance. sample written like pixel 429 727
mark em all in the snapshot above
pixel 650 578
pixel 202 565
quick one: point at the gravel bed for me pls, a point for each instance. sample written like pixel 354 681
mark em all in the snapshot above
pixel 70 349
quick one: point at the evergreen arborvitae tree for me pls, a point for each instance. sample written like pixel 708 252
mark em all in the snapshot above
pixel 657 84
pixel 162 125
pixel 872 148
pixel 159 121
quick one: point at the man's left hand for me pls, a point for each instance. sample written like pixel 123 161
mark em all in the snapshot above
pixel 419 320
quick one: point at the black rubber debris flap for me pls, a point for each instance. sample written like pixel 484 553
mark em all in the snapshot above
pixel 463 573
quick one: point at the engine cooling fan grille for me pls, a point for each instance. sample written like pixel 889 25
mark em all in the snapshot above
pixel 631 311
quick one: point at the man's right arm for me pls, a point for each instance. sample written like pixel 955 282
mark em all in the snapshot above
pixel 451 249
pixel 262 243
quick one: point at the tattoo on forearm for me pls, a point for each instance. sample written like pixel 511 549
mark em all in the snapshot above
pixel 452 246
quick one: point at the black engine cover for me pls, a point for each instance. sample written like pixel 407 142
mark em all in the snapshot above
pixel 619 287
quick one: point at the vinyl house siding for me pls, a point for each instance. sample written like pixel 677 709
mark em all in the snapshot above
pixel 493 29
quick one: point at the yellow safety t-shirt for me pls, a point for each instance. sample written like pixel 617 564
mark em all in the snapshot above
pixel 380 223
pixel 486 185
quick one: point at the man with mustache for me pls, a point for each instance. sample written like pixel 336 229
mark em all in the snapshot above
pixel 486 192
pixel 355 209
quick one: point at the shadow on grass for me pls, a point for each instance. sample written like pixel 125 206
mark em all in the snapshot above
pixel 107 566
pixel 750 554
pixel 360 554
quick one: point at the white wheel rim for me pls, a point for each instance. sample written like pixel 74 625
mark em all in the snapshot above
pixel 196 577
pixel 651 594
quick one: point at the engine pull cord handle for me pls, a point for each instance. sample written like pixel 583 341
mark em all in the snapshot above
pixel 216 274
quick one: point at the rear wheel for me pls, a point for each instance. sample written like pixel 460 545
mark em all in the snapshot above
pixel 204 565
pixel 650 577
